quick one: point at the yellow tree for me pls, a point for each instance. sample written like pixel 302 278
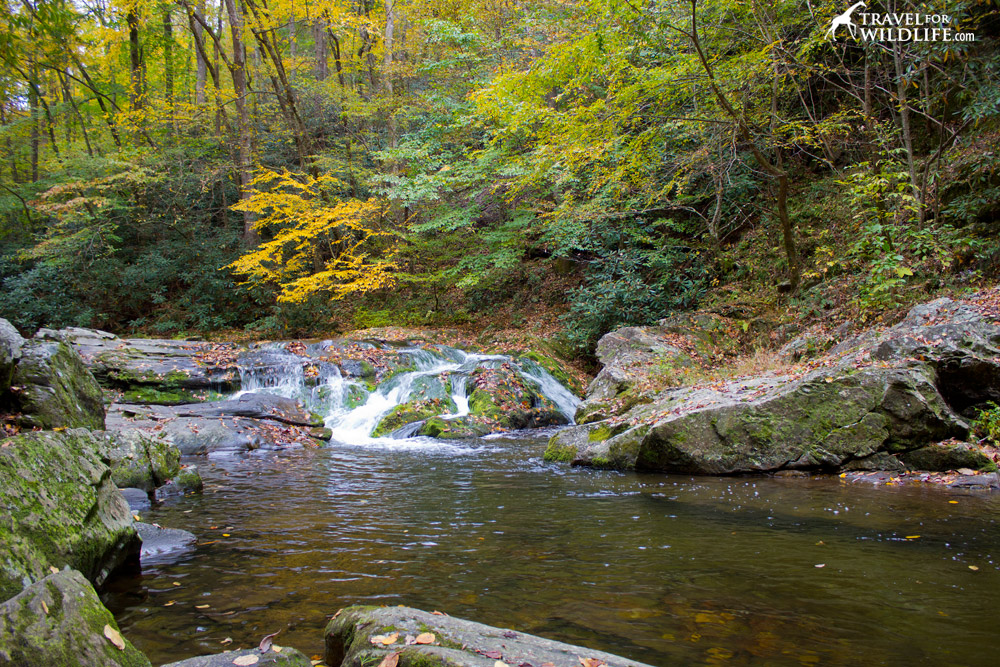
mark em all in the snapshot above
pixel 318 243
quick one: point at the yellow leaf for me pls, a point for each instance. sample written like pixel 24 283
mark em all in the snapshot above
pixel 114 637
pixel 912 537
pixel 245 660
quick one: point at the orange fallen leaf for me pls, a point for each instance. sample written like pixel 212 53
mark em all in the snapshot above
pixel 114 637
pixel 245 660
pixel 385 640
pixel 591 662
pixel 202 606
pixel 425 638
pixel 391 660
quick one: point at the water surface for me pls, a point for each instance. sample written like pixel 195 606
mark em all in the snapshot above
pixel 666 570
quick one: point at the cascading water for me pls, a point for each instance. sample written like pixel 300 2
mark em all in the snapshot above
pixel 353 409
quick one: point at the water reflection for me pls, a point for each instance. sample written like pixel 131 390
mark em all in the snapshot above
pixel 666 570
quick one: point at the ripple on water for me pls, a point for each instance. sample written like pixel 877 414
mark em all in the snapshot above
pixel 667 570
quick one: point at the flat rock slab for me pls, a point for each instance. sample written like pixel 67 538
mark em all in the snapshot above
pixel 288 657
pixel 58 621
pixel 163 545
pixel 456 642
pixel 261 422
pixel 172 364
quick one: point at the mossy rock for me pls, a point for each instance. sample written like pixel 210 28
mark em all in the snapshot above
pixel 61 510
pixel 455 429
pixel 151 395
pixel 60 622
pixel 414 411
pixel 10 351
pixel 141 460
pixel 355 397
pixel 287 657
pixel 56 389
pixel 948 456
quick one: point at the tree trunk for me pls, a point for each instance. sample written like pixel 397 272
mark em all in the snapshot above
pixel 135 59
pixel 168 62
pixel 202 64
pixel 240 88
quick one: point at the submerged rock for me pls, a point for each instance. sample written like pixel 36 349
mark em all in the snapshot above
pixel 56 389
pixel 288 657
pixel 61 510
pixel 60 622
pixel 163 545
pixel 455 642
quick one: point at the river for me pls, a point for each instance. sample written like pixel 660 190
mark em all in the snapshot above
pixel 663 569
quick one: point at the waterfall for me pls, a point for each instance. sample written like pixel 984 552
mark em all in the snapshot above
pixel 352 410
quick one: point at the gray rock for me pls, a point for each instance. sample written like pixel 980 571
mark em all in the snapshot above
pixel 56 389
pixel 880 397
pixel 990 481
pixel 61 510
pixel 59 621
pixel 137 499
pixel 288 657
pixel 457 642
pixel 253 406
pixel 163 545
pixel 199 436
pixel 10 351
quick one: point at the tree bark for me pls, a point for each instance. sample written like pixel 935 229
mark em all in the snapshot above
pixel 241 89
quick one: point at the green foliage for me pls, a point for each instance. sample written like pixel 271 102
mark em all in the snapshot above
pixel 986 425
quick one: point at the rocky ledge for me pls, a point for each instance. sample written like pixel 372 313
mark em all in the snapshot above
pixel 896 399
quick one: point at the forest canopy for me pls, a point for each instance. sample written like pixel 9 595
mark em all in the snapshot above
pixel 289 167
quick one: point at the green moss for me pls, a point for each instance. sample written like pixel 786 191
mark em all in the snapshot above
pixel 599 434
pixel 152 395
pixel 558 452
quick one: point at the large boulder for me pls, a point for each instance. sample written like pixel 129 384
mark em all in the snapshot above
pixel 366 635
pixel 55 389
pixel 633 358
pixel 61 509
pixel 880 399
pixel 10 351
pixel 60 622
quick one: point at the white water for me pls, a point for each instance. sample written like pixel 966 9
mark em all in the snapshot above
pixel 274 370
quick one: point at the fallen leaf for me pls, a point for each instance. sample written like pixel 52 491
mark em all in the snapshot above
pixel 390 660
pixel 114 637
pixel 425 638
pixel 591 662
pixel 170 604
pixel 912 537
pixel 385 640
pixel 244 660
pixel 53 569
pixel 821 565
pixel 495 655
pixel 176 583
pixel 438 613
pixel 202 606
pixel 276 648
pixel 266 642
pixel 974 568
pixel 952 502
pixel 410 640
pixel 500 663
pixel 510 635
pixel 227 640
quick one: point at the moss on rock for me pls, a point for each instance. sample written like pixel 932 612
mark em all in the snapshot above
pixel 414 411
pixel 62 509
pixel 57 390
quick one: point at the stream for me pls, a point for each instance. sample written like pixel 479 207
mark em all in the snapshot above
pixel 667 570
